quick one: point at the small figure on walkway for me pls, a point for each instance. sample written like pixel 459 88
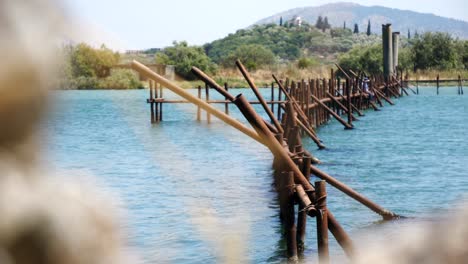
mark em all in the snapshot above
pixel 366 89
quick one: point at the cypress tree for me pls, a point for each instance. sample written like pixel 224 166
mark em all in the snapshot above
pixel 319 23
pixel 344 25
pixel 356 29
pixel 281 21
pixel 368 28
pixel 409 34
pixel 326 25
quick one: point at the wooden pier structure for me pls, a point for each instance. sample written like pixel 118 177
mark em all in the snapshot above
pixel 295 109
pixel 302 106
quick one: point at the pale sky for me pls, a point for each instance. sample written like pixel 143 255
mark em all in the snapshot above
pixel 141 24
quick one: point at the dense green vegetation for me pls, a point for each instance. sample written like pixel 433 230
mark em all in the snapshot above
pixel 287 46
pixel 430 51
pixel 184 57
pixel 87 68
pixel 266 46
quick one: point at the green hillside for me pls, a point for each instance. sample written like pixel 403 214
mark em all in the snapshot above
pixel 402 20
pixel 289 43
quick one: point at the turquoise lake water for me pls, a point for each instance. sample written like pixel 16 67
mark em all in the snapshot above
pixel 196 192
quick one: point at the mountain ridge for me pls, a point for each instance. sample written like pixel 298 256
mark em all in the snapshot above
pixel 351 13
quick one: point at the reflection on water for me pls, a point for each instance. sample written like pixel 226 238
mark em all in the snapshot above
pixel 202 193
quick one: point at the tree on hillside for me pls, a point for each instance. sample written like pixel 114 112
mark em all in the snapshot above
pixel 356 29
pixel 326 25
pixel 368 59
pixel 368 28
pixel 183 57
pixel 435 51
pixel 344 25
pixel 319 24
pixel 465 54
pixel 281 21
pixel 409 34
pixel 253 56
pixel 416 34
pixel 89 62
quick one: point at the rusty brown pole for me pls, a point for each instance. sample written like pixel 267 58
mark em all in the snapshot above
pixel 304 125
pixel 260 98
pixel 210 82
pixel 335 228
pixel 286 195
pixel 156 110
pixel 302 214
pixel 383 96
pixel 207 97
pixel 295 104
pixel 322 222
pixel 386 214
pixel 160 108
pixel 340 105
pixel 335 115
pixel 273 98
pixel 151 100
pixel 270 141
pixel 198 107
pixel 348 94
pixel 226 105
pixel 377 96
pixel 279 104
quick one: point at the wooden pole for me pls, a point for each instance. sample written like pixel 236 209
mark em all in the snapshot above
pixel 438 80
pixel 337 117
pixel 254 88
pixel 207 97
pixel 151 101
pixel 350 112
pixel 322 222
pixel 272 97
pixel 340 105
pixel 302 214
pixel 198 107
pixel 226 105
pixel 286 195
pixel 279 100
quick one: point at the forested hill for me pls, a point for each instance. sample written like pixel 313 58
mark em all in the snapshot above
pixel 402 20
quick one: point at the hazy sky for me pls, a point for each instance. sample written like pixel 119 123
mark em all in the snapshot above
pixel 140 24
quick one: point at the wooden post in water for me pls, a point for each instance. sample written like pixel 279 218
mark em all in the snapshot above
pixel 350 112
pixel 279 100
pixel 302 215
pixel 160 118
pixel 198 107
pixel 151 98
pixel 438 80
pixel 286 195
pixel 322 222
pixel 207 97
pixel 272 97
pixel 461 84
pixel 226 105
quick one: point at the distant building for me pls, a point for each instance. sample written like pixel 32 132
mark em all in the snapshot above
pixel 296 21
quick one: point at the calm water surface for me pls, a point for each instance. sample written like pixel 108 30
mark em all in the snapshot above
pixel 196 192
